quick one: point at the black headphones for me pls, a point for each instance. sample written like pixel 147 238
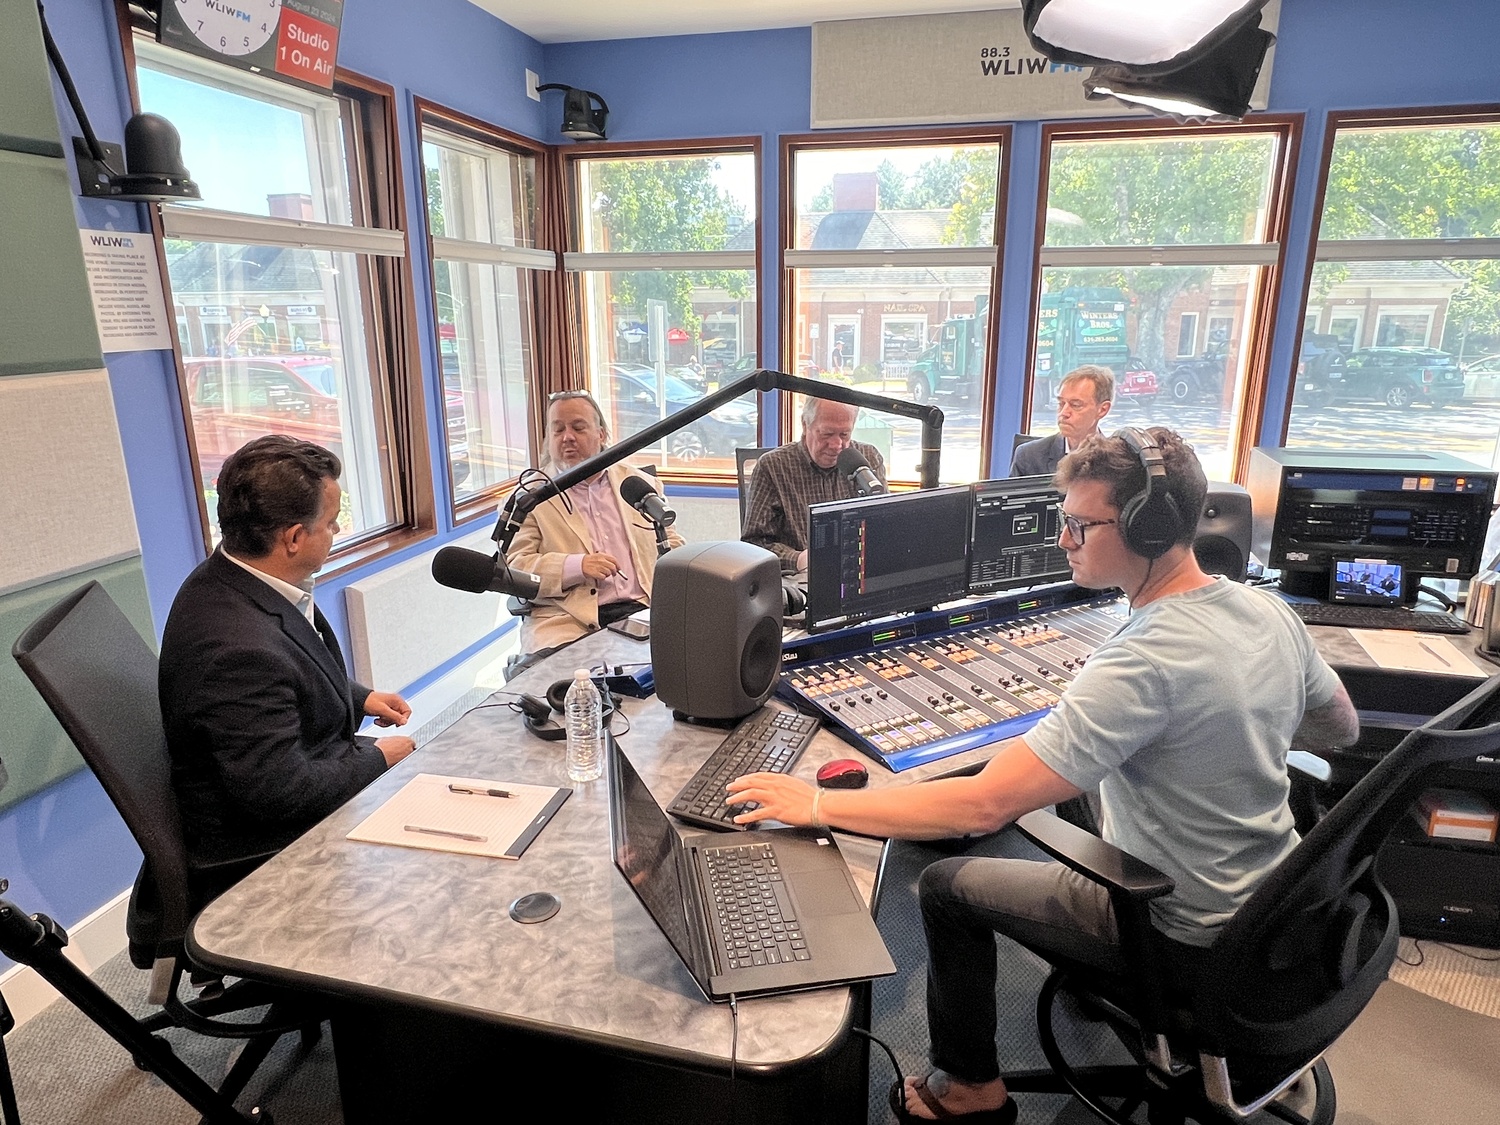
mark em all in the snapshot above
pixel 1150 520
pixel 538 712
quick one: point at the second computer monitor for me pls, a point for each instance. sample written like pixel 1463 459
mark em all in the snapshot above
pixel 1014 538
pixel 886 554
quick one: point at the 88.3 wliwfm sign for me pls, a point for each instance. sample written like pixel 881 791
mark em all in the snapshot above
pixel 293 40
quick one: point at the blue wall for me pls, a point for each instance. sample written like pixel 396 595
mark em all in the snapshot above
pixel 65 849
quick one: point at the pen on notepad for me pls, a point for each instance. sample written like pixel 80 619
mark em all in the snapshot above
pixel 445 832
pixel 478 792
pixel 1430 651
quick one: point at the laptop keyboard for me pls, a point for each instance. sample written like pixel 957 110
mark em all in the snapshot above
pixel 769 741
pixel 753 912
pixel 1377 617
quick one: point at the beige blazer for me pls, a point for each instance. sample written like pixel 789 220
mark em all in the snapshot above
pixel 552 532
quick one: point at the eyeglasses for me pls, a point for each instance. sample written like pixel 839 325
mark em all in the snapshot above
pixel 558 396
pixel 1075 527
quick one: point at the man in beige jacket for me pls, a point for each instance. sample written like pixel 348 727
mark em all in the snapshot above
pixel 595 554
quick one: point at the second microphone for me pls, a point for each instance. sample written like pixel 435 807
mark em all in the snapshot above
pixel 636 492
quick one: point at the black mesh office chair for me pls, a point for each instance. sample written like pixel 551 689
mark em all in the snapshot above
pixel 744 465
pixel 1286 975
pixel 99 678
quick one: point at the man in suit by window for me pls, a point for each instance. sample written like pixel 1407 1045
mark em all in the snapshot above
pixel 260 713
pixel 1083 399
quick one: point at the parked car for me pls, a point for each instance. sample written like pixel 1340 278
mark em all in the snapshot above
pixel 1397 377
pixel 1135 385
pixel 235 399
pixel 1200 377
pixel 1482 378
pixel 630 396
pixel 1321 360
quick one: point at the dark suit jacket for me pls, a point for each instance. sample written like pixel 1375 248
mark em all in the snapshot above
pixel 260 715
pixel 1038 458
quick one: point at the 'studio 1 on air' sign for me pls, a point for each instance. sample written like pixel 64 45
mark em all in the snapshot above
pixel 294 40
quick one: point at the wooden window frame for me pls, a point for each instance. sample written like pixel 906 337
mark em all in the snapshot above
pixel 1287 127
pixel 956 136
pixel 371 137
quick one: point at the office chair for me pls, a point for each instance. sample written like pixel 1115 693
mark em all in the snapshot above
pixel 1283 979
pixel 99 678
pixel 744 465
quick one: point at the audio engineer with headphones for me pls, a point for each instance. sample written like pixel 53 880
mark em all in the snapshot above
pixel 594 553
pixel 1182 720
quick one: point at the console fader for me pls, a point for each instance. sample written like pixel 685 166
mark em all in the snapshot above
pixel 915 699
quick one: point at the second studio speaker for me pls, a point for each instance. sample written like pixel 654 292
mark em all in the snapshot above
pixel 716 629
pixel 1222 543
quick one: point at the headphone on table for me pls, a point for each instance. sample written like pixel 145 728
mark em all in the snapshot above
pixel 1150 520
pixel 538 712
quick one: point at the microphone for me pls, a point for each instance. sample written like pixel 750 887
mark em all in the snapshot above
pixel 646 500
pixel 461 569
pixel 853 465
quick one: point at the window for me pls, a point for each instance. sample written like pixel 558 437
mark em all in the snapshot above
pixel 481 214
pixel 893 256
pixel 1152 233
pixel 285 276
pixel 1408 264
pixel 667 260
pixel 1345 327
pixel 1187 334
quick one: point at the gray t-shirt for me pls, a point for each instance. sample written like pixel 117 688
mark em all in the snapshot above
pixel 1183 719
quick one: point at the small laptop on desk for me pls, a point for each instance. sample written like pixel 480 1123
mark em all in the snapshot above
pixel 754 914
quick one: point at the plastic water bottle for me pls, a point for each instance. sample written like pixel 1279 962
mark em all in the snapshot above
pixel 583 709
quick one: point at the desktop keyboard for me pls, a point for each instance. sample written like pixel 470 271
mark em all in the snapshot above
pixel 769 741
pixel 1377 617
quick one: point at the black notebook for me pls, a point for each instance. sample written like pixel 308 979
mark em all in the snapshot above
pixel 751 914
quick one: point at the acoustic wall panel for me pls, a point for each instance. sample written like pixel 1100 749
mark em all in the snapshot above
pixel 64 498
pixel 46 316
pixel 28 122
pixel 35 750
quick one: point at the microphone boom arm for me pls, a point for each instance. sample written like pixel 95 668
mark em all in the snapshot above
pixel 522 501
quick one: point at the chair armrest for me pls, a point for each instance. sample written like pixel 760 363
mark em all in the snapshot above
pixel 1093 858
pixel 1309 765
pixel 1131 884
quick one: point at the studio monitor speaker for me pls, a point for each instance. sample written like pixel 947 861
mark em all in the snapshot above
pixel 716 628
pixel 1223 540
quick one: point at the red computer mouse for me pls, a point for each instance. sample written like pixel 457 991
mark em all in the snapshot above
pixel 843 773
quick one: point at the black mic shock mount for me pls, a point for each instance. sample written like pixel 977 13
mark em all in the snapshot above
pixel 853 465
pixel 477 573
pixel 636 492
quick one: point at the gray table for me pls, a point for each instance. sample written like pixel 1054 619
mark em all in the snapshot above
pixel 437 993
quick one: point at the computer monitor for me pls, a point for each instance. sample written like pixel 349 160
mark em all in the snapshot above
pixel 886 554
pixel 1426 512
pixel 1013 536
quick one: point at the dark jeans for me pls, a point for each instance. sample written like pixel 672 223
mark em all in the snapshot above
pixel 965 902
pixel 1051 910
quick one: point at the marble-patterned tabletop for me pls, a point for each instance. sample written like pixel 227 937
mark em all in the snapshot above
pixel 395 925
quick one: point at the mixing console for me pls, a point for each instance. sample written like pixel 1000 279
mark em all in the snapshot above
pixel 917 698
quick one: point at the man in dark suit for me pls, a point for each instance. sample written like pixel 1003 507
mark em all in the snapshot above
pixel 259 711
pixel 1083 399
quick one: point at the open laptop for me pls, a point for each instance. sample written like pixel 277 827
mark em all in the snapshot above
pixel 825 934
